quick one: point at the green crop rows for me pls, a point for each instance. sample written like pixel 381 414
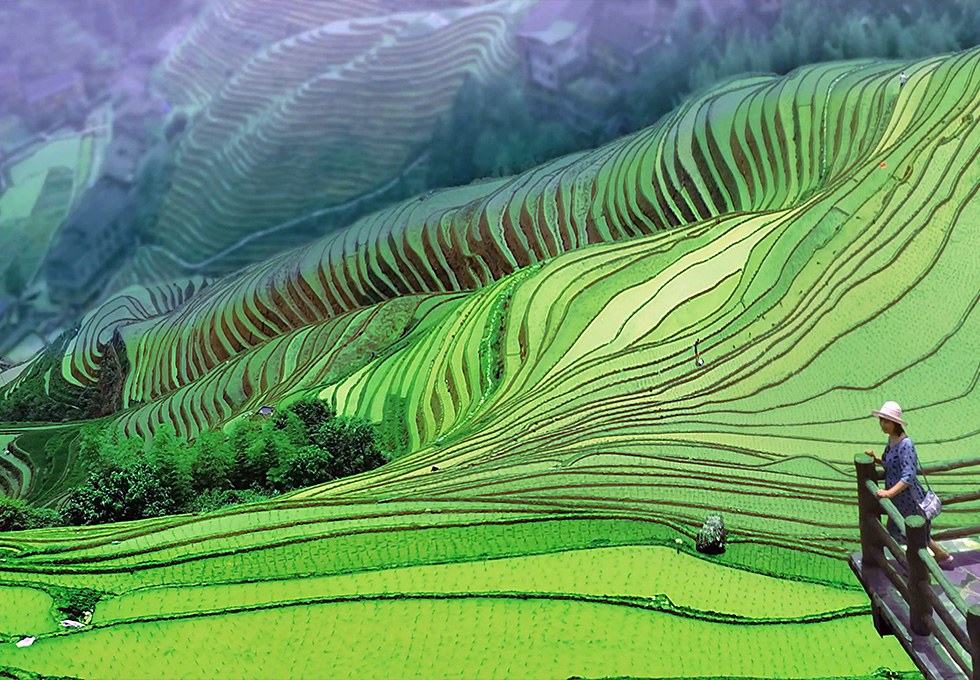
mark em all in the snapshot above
pixel 529 344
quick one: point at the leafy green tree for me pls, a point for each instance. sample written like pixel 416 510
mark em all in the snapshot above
pixel 352 444
pixel 299 446
pixel 117 495
pixel 110 448
pixel 310 411
pixel 211 463
pixel 216 499
pixel 302 416
pixel 171 465
pixel 256 450
pixel 305 467
pixel 17 515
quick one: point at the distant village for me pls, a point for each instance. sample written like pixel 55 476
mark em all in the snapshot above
pixel 580 56
pixel 99 66
pixel 98 62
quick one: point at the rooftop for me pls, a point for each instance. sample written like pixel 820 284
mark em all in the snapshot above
pixel 555 20
pixel 121 158
pixel 631 27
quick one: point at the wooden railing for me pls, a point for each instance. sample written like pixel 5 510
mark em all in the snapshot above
pixel 928 614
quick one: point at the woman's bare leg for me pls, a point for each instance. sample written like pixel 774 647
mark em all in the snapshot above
pixel 937 551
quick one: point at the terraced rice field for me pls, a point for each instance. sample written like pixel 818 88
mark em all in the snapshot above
pixel 15 475
pixel 392 599
pixel 307 106
pixel 39 464
pixel 533 338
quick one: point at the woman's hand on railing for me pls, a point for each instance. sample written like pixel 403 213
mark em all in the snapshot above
pixel 872 454
pixel 884 493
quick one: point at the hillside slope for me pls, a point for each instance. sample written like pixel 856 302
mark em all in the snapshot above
pixel 562 443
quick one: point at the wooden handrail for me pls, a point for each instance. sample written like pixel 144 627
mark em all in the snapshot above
pixel 956 533
pixel 952 593
pixel 973 630
pixel 887 505
pixel 962 659
pixel 940 609
pixel 891 573
pixel 928 614
pixel 897 551
pixel 920 608
pixel 869 510
pixel 948 466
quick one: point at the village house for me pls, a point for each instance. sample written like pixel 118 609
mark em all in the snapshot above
pixel 96 235
pixel 554 40
pixel 581 56
pixel 624 32
pixel 122 159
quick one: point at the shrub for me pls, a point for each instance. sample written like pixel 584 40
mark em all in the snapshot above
pixel 74 602
pixel 302 445
pixel 17 515
pixel 211 463
pixel 215 499
pixel 305 467
pixel 311 412
pixel 118 495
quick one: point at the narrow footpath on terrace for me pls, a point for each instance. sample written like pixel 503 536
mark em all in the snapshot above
pixel 934 613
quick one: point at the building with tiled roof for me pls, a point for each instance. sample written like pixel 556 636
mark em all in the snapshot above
pixel 554 38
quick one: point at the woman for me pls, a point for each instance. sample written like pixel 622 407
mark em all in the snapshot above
pixel 901 478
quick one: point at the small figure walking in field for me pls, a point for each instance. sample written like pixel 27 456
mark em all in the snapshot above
pixel 697 353
pixel 902 78
pixel 901 476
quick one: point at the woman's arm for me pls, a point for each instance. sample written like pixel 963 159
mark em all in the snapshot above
pixel 899 487
pixel 876 458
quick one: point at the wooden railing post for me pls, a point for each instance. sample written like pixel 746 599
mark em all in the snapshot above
pixel 920 607
pixel 973 630
pixel 869 509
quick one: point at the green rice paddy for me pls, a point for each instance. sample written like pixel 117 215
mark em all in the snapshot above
pixel 816 233
pixel 441 637
pixel 26 610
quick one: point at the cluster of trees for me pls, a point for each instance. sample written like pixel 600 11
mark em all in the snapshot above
pixel 492 132
pixel 302 445
pixel 42 394
pixel 808 32
pixel 296 447
pixel 17 515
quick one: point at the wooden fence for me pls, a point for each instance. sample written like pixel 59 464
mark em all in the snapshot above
pixel 928 614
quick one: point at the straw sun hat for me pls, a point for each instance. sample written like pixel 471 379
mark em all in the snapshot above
pixel 890 410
